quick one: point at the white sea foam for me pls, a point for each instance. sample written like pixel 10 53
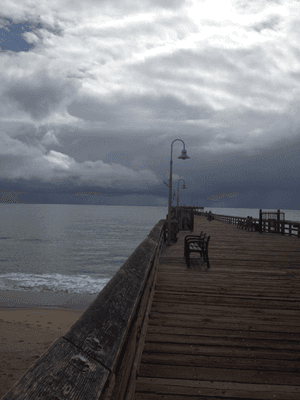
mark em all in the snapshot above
pixel 56 283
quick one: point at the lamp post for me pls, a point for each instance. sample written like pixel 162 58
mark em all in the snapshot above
pixel 183 156
pixel 183 187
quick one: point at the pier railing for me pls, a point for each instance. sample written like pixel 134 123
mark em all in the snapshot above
pixel 99 357
pixel 262 224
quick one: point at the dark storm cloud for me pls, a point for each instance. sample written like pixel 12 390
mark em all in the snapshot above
pixel 270 177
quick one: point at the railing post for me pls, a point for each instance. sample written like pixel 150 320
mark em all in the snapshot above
pixel 260 221
pixel 278 222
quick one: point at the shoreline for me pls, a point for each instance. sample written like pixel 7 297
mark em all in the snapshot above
pixel 10 299
pixel 29 324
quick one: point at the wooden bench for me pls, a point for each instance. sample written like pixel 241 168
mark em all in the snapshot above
pixel 192 237
pixel 199 245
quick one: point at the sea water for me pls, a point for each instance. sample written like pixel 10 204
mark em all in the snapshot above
pixel 76 249
pixel 71 249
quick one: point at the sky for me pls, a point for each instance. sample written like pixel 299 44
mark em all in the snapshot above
pixel 94 94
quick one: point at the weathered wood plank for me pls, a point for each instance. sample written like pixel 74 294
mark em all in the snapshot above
pixel 234 310
pixel 229 333
pixel 108 317
pixel 212 322
pixel 220 362
pixel 226 341
pixel 210 299
pixel 143 331
pixel 220 385
pixel 222 351
pixel 63 372
pixel 224 374
pixel 194 389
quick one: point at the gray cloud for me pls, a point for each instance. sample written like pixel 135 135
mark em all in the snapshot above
pixel 126 5
pixel 270 23
pixel 123 109
pixel 96 101
pixel 40 94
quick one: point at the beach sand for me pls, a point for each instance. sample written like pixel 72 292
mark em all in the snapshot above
pixel 29 323
pixel 25 334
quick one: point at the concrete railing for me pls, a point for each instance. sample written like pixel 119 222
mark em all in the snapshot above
pixel 100 355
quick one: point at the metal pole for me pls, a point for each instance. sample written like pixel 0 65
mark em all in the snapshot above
pixel 170 203
pixel 170 189
pixel 178 190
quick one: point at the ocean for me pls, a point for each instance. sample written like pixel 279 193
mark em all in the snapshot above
pixel 57 251
pixel 68 249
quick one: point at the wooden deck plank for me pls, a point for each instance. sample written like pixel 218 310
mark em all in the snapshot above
pixel 223 374
pixel 218 362
pixel 222 351
pixel 214 323
pixel 231 331
pixel 181 387
pixel 183 330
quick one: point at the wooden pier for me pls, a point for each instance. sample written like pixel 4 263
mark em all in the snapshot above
pixel 228 332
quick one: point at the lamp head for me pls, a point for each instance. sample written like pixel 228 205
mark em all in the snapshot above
pixel 183 155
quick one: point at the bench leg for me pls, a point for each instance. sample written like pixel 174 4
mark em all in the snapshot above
pixel 206 259
pixel 204 255
pixel 187 257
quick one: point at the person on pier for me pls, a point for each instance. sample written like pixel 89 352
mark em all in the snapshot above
pixel 209 217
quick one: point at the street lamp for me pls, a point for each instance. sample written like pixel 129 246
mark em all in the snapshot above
pixel 183 156
pixel 183 187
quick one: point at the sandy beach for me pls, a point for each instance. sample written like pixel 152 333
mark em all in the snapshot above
pixel 29 323
pixel 25 334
